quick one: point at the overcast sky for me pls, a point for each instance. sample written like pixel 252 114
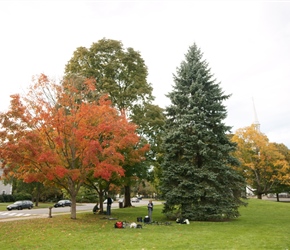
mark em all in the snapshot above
pixel 246 43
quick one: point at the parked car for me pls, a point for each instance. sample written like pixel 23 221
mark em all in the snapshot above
pixel 105 201
pixel 121 200
pixel 140 197
pixel 135 199
pixel 20 205
pixel 63 203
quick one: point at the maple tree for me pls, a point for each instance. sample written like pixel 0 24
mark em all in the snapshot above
pixel 122 74
pixel 53 135
pixel 262 163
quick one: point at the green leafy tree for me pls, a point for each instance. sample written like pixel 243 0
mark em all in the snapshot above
pixel 151 120
pixel 198 180
pixel 119 72
pixel 122 74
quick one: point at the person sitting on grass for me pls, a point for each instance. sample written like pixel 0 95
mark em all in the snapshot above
pixel 96 208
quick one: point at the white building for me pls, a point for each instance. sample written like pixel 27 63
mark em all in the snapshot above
pixel 4 189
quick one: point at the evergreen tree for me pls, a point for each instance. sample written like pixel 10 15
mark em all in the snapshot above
pixel 198 180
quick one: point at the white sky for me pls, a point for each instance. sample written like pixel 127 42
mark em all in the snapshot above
pixel 246 43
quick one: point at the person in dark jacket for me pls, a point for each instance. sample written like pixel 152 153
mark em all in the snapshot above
pixel 150 209
pixel 109 204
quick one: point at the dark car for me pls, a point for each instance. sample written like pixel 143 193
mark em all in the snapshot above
pixel 20 205
pixel 63 203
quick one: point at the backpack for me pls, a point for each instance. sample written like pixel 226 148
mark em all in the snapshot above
pixel 119 224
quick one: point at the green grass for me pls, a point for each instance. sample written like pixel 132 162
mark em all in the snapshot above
pixel 262 225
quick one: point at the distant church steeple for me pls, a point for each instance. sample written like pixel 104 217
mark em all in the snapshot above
pixel 256 122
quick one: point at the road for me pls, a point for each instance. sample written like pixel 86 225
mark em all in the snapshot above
pixel 44 212
pixel 41 212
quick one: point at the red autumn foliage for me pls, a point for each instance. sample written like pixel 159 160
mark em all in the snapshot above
pixel 53 134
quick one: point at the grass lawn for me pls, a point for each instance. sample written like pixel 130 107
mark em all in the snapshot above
pixel 262 225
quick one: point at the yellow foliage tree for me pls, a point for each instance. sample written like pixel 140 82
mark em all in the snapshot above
pixel 262 164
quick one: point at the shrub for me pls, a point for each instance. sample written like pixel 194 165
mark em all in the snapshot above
pixel 7 198
pixel 22 196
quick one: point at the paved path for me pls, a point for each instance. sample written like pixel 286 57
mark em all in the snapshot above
pixel 11 214
pixel 23 217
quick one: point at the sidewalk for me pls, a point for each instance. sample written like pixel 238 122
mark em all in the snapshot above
pixel 23 218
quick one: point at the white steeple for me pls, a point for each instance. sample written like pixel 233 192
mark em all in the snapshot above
pixel 256 122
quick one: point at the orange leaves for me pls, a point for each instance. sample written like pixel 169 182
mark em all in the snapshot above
pixel 90 83
pixel 50 176
pixel 105 170
pixel 42 81
pixel 28 178
pixel 46 157
pixel 61 171
pixel 75 175
pixel 53 133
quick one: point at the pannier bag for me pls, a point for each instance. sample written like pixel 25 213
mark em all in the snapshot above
pixel 119 224
pixel 146 219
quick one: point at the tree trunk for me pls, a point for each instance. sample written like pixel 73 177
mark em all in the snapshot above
pixel 259 196
pixel 37 195
pixel 101 200
pixel 73 209
pixel 127 196
pixel 277 197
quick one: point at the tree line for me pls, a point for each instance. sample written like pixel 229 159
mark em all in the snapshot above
pixel 98 128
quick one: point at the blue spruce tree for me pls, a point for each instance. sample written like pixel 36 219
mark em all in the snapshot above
pixel 198 180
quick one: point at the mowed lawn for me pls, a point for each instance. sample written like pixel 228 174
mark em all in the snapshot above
pixel 262 225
